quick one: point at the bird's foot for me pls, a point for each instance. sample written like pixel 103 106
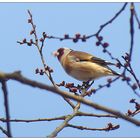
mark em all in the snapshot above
pixel 87 84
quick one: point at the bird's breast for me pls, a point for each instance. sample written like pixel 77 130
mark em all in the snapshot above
pixel 85 71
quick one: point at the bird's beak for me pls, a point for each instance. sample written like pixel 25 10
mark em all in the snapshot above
pixel 55 53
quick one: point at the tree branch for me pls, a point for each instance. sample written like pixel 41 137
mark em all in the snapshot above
pixel 79 113
pixel 40 50
pixel 136 16
pixel 83 38
pixel 108 128
pixel 65 122
pixel 34 120
pixel 110 21
pixel 131 31
pixel 69 102
pixel 6 104
pixel 4 131
pixel 18 77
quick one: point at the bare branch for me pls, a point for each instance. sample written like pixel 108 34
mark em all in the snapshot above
pixel 34 32
pixel 33 26
pixel 136 16
pixel 137 108
pixel 112 19
pixel 18 77
pixel 108 128
pixel 4 131
pixel 134 75
pixel 68 118
pixel 6 104
pixel 65 122
pixel 69 102
pixel 40 49
pixel 106 84
pixel 79 113
pixel 34 120
pixel 131 30
pixel 84 37
pixel 132 113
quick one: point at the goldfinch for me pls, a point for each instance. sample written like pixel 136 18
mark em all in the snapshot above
pixel 83 66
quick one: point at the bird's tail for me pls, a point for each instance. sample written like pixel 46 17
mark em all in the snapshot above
pixel 115 73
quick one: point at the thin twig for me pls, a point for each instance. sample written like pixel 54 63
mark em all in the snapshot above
pixel 6 104
pixel 134 75
pixel 40 49
pixel 106 84
pixel 111 20
pixel 101 27
pixel 136 16
pixel 136 112
pixel 4 131
pixel 108 22
pixel 69 102
pixel 131 31
pixel 79 113
pixel 133 113
pixel 34 27
pixel 34 120
pixel 135 92
pixel 93 129
pixel 131 71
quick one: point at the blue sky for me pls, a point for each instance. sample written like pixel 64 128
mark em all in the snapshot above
pixel 58 19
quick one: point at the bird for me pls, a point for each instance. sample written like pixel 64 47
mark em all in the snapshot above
pixel 83 66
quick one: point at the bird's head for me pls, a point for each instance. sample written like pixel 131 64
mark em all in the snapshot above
pixel 61 52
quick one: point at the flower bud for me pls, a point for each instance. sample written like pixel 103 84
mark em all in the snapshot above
pixel 105 45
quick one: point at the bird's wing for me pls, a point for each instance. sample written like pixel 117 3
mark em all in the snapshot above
pixel 83 56
pixel 101 61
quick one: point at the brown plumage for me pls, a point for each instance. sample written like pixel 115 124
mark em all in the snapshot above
pixel 83 66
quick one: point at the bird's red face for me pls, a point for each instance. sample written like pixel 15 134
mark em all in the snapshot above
pixel 59 53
